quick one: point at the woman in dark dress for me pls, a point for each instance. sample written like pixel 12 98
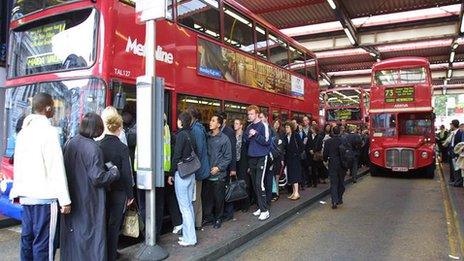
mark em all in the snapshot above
pixel 83 231
pixel 293 148
pixel 120 193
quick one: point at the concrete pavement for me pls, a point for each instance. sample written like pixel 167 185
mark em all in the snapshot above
pixel 382 219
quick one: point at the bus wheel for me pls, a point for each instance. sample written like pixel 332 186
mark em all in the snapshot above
pixel 430 172
pixel 375 172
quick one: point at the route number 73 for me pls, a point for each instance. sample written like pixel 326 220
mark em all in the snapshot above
pixel 389 93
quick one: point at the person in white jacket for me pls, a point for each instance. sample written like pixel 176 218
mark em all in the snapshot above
pixel 39 180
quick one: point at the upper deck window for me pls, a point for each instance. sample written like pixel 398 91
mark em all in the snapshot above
pixel 56 43
pixel 402 76
pixel 278 51
pixel 261 42
pixel 24 7
pixel 238 31
pixel 200 15
pixel 343 98
pixel 297 61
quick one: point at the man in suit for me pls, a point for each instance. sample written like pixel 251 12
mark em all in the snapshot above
pixel 353 142
pixel 336 172
pixel 454 138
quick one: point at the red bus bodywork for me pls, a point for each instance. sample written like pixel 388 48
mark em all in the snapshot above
pixel 353 112
pixel 401 117
pixel 119 58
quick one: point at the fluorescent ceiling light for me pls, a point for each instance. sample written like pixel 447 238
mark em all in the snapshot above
pixel 450 72
pixel 373 54
pixel 455 45
pixel 238 17
pixel 332 4
pixel 350 37
pixel 378 60
pixel 212 3
pixel 452 56
pixel 445 82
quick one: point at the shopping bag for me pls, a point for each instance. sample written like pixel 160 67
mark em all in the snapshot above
pixel 236 190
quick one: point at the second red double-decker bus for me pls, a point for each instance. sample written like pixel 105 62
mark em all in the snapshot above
pixel 348 104
pixel 214 54
pixel 402 118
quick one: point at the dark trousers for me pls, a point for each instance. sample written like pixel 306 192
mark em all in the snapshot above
pixel 305 174
pixel 39 224
pixel 159 205
pixel 115 208
pixel 242 174
pixel 268 179
pixel 354 168
pixel 313 174
pixel 215 192
pixel 337 184
pixel 228 206
pixel 258 167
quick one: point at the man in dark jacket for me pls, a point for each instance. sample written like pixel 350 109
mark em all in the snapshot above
pixel 232 169
pixel 220 156
pixel 336 172
pixel 199 135
pixel 353 142
pixel 259 146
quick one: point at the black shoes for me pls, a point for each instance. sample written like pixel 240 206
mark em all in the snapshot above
pixel 340 202
pixel 217 224
pixel 334 206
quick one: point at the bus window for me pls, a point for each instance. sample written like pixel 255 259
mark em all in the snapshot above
pixel 415 124
pixel 311 68
pixel 261 42
pixel 238 31
pixel 383 125
pixel 169 13
pixel 390 77
pixel 207 107
pixel 235 111
pixel 202 16
pixel 414 75
pixel 24 7
pixel 297 61
pixel 278 51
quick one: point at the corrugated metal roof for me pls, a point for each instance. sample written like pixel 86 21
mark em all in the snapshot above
pixel 290 13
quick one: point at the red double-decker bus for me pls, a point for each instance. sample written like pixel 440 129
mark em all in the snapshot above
pixel 348 104
pixel 213 54
pixel 401 117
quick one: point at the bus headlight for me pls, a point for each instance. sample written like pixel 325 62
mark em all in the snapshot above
pixel 424 155
pixel 376 154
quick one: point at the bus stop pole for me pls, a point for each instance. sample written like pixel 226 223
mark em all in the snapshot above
pixel 150 141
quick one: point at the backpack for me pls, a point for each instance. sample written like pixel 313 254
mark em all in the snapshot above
pixel 346 156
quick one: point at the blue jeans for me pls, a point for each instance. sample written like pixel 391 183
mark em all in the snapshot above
pixel 184 192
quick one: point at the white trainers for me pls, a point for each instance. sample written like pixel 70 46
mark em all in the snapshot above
pixel 184 244
pixel 177 229
pixel 264 215
pixel 257 213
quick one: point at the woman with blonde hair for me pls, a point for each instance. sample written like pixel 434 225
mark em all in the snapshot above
pixel 120 193
pixel 111 112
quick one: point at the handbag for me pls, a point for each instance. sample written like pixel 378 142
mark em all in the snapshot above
pixel 133 223
pixel 189 165
pixel 236 190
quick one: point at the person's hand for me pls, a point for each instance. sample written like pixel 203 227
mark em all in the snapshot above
pixel 214 170
pixel 130 201
pixel 66 209
pixel 233 173
pixel 251 133
pixel 170 181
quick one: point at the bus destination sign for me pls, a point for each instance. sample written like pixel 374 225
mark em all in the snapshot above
pixel 42 42
pixel 399 94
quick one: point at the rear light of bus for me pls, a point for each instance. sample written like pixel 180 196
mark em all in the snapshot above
pixel 424 154
pixel 376 154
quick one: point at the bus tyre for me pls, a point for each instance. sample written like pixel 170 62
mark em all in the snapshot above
pixel 430 172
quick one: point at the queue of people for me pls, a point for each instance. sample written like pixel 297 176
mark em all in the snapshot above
pixel 92 181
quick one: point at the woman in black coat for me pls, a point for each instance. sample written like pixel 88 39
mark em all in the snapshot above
pixel 293 148
pixel 120 193
pixel 316 155
pixel 83 231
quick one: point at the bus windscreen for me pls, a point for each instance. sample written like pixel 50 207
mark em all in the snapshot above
pixel 349 114
pixel 58 43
